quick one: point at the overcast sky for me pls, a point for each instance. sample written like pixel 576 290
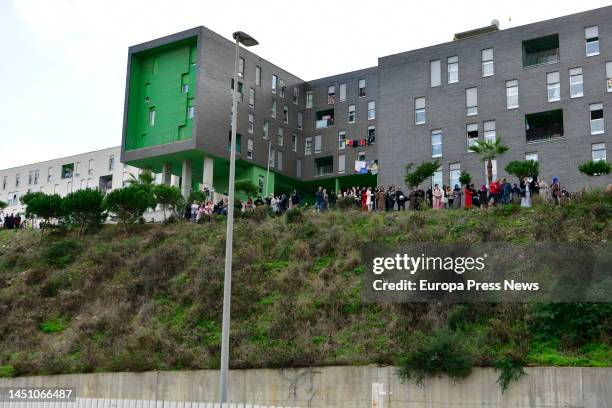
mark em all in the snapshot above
pixel 62 62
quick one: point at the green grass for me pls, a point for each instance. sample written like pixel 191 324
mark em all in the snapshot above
pixel 152 300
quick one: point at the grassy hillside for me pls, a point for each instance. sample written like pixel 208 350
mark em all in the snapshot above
pixel 151 299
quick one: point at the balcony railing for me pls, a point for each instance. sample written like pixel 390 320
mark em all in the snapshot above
pixel 324 123
pixel 544 133
pixel 324 170
pixel 544 57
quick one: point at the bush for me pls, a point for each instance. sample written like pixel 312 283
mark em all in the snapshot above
pixel 169 197
pixel 595 168
pixel 247 187
pixel 7 371
pixel 62 253
pixel 83 209
pixel 523 168
pixel 295 215
pixel 444 352
pixel 194 196
pixel 40 205
pixel 345 203
pixel 511 366
pixel 129 204
pixel 53 326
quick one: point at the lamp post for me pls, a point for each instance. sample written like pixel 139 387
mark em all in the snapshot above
pixel 248 41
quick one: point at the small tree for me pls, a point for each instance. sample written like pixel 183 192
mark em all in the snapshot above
pixel 247 187
pixel 40 205
pixel 3 205
pixel 196 196
pixel 424 171
pixel 489 150
pixel 465 178
pixel 83 209
pixel 144 179
pixel 129 204
pixel 523 168
pixel 167 197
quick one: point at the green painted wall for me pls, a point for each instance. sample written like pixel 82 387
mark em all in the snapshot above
pixel 156 84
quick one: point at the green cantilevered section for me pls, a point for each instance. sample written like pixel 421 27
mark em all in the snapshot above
pixel 161 91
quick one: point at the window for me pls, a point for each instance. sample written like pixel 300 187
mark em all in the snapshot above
pixel 436 178
pixel 281 136
pixel 598 152
pixel 151 116
pixel 342 139
pixel 351 114
pixel 285 114
pixel 249 148
pixel 436 143
pixel 342 92
pixel 30 177
pixel 454 171
pixel 512 98
pixel 324 119
pixel 238 142
pixel 251 98
pixel 67 170
pixel 185 88
pixel 493 167
pixel 36 176
pixel 300 121
pixel 371 134
pixel 541 51
pixel 273 108
pixel 296 95
pixel 553 85
pixel 4 181
pixel 279 160
pixel 13 198
pixel 371 110
pixel 341 163
pixel 257 75
pixel 591 35
pixel 533 156
pixel 283 88
pixel 317 144
pixel 89 171
pixel 50 172
pixel 241 67
pixel 77 169
pixel 298 167
pixel 487 62
pixel 308 145
pixel 294 141
pixel 309 99
pixel 471 134
pixel 274 83
pixel 240 91
pixel 190 112
pixel 544 125
pixel 597 118
pixel 17 180
pixel 435 73
pixel 471 101
pixel 331 95
pixel 576 83
pixel 111 162
pixel 420 116
pixel 453 69
pixel 272 158
pixel 489 131
pixel 251 123
pixel 264 129
pixel 609 76
pixel 362 88
pixel 361 156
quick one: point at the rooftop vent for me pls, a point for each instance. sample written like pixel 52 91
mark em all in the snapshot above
pixel 478 31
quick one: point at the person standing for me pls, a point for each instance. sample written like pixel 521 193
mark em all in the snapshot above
pixel 526 200
pixel 380 199
pixel 437 197
pixel 457 196
pixel 468 197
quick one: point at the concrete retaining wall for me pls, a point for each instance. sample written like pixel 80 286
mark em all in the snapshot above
pixel 346 387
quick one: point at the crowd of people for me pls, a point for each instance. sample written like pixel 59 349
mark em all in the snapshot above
pixel 11 221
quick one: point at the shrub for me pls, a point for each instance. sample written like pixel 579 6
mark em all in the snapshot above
pixel 129 204
pixel 345 203
pixel 53 326
pixel 444 352
pixel 295 215
pixel 83 209
pixel 61 253
pixel 40 205
pixel 247 187
pixel 424 171
pixel 7 371
pixel 523 168
pixel 195 196
pixel 168 197
pixel 511 366
pixel 465 178
pixel 595 168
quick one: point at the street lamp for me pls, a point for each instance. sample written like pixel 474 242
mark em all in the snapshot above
pixel 248 41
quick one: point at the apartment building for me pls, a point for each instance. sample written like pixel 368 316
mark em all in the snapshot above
pixel 99 169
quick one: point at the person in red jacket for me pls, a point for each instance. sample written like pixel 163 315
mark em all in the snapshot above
pixel 468 196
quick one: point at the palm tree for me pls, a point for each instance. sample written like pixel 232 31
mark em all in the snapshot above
pixel 145 178
pixel 489 150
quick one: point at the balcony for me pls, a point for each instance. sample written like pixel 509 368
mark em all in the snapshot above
pixel 324 166
pixel 544 126
pixel 324 119
pixel 541 51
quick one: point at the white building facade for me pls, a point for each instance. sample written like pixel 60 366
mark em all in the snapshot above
pixel 98 169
